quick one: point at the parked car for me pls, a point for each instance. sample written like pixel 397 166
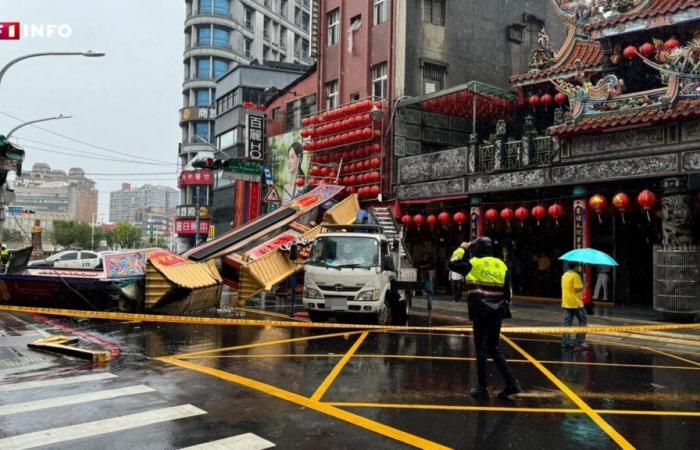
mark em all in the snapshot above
pixel 69 259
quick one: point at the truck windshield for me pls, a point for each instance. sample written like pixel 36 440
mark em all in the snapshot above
pixel 345 252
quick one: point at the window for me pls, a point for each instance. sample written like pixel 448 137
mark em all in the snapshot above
pixel 379 80
pixel 253 95
pixel 308 105
pixel 221 38
pixel 305 49
pixel 228 139
pixel 434 12
pixel 220 68
pixel 249 18
pixel 266 29
pixel 203 68
pixel 277 113
pixel 201 129
pixel 203 36
pixel 283 8
pixel 203 97
pixel 333 19
pixel 222 7
pixel 248 48
pixel 205 6
pixel 433 78
pixel 292 117
pixel 88 255
pixel 283 38
pixel 331 94
pixel 380 14
pixel 355 96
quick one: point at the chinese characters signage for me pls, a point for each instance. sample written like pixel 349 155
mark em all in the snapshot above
pixel 475 223
pixel 196 178
pixel 581 236
pixel 189 226
pixel 255 136
pixel 197 113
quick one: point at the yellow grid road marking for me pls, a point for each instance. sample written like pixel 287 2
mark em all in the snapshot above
pixel 306 402
pixel 671 355
pixel 269 313
pixel 337 369
pixel 267 344
pixel 609 430
pixel 433 358
pixel 511 409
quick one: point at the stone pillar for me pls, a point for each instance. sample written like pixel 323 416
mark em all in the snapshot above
pixel 500 156
pixel 473 152
pixel 528 147
pixel 582 239
pixel 677 215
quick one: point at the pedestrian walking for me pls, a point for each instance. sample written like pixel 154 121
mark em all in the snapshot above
pixel 601 283
pixel 572 303
pixel 488 300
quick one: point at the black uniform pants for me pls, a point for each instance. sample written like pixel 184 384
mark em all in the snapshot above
pixel 487 332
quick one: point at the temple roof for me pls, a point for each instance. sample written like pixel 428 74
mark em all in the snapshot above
pixel 654 8
pixel 575 55
pixel 684 109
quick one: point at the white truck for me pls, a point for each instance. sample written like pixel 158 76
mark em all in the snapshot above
pixel 356 270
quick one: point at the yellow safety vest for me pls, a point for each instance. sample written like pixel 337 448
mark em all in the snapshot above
pixel 487 271
pixel 457 254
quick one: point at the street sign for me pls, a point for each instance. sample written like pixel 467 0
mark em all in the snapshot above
pixel 268 176
pixel 272 196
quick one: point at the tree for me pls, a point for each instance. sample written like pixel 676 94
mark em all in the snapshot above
pixel 11 235
pixel 69 233
pixel 126 235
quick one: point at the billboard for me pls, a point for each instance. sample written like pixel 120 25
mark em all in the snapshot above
pixel 288 162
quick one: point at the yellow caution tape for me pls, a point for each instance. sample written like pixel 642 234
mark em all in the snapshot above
pixel 191 320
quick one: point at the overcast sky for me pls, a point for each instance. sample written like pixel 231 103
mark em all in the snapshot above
pixel 127 101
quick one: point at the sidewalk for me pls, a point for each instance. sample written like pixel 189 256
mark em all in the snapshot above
pixel 548 313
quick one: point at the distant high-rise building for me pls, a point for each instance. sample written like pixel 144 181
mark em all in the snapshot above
pixel 52 195
pixel 220 34
pixel 129 205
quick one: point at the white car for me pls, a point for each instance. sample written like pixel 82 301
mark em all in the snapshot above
pixel 69 259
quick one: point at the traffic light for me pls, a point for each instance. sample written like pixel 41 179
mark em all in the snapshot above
pixel 208 163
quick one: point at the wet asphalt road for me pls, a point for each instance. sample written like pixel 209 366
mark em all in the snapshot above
pixel 401 390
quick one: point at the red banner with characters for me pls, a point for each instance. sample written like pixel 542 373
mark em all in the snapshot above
pixel 196 178
pixel 189 226
pixel 254 209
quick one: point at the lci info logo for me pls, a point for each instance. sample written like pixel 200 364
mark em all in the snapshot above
pixel 9 31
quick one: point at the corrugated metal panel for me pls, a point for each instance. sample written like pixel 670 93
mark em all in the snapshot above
pixel 157 286
pixel 190 276
pixel 344 213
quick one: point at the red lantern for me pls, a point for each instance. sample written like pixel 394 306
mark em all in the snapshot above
pixel 407 220
pixel 300 182
pixel 538 212
pixel 672 44
pixel 630 52
pixel 418 219
pixel 444 218
pixel 376 163
pixel 647 49
pixel 647 200
pixel 507 214
pixel 522 214
pixel 622 202
pixel 460 218
pixel 555 212
pixel 598 203
pixel 352 190
pixel 492 215
pixel 547 100
pixel 534 101
pixel 561 98
pixel 375 190
pixel 432 221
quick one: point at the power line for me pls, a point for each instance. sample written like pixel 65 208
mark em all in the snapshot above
pixel 87 156
pixel 17 139
pixel 83 142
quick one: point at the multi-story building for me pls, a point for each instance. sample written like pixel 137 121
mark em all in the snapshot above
pixel 220 34
pixel 52 195
pixel 126 204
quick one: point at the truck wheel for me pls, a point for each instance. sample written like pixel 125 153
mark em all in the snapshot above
pixel 384 314
pixel 317 316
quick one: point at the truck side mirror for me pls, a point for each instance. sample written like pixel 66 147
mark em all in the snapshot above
pixel 293 252
pixel 388 263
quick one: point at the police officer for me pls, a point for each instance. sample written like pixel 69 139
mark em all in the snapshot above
pixel 4 256
pixel 488 300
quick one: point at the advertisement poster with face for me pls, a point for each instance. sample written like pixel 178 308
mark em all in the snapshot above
pixel 288 163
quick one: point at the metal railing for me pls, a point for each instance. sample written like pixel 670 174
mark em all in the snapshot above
pixel 542 151
pixel 485 158
pixel 511 155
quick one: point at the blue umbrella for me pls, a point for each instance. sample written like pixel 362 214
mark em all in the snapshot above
pixel 589 256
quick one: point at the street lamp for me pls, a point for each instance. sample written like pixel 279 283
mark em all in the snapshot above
pixel 89 54
pixel 22 125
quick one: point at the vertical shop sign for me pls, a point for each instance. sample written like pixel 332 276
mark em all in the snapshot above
pixel 476 224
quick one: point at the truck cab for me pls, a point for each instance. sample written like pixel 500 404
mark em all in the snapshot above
pixel 350 271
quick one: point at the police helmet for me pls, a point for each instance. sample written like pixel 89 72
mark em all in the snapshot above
pixel 482 246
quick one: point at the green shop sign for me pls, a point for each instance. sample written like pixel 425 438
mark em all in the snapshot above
pixel 243 169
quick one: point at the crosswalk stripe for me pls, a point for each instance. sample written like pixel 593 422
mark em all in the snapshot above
pixel 98 427
pixel 50 382
pixel 247 441
pixel 37 405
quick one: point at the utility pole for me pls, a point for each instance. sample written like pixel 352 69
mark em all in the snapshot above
pixel 197 238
